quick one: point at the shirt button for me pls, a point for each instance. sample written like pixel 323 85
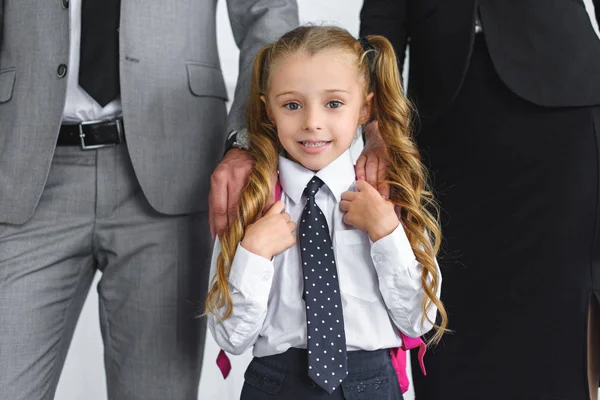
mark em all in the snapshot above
pixel 378 258
pixel 265 276
pixel 61 71
pixel 65 3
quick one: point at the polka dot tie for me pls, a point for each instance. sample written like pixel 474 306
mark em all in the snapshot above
pixel 325 322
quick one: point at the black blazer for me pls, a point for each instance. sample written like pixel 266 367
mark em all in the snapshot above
pixel 545 51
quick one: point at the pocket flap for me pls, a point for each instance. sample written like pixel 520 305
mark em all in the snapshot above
pixel 7 83
pixel 205 80
pixel 264 377
pixel 370 386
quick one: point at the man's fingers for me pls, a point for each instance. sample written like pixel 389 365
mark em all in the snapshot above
pixel 234 193
pixel 218 202
pixel 226 185
pixel 210 217
pixel 360 167
pixel 220 221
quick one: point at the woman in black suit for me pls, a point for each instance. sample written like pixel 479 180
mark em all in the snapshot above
pixel 508 97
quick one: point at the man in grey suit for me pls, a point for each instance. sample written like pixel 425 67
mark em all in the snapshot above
pixel 112 118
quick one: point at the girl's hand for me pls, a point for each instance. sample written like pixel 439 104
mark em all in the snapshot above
pixel 368 211
pixel 271 234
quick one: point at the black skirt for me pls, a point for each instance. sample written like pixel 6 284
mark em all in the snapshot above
pixel 519 188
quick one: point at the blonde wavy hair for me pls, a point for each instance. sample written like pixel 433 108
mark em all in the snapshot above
pixel 406 175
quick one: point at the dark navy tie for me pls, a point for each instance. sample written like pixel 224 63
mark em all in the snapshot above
pixel 327 363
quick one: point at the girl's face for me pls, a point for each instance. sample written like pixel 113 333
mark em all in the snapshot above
pixel 316 102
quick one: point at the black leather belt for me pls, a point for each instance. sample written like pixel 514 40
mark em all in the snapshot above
pixel 92 135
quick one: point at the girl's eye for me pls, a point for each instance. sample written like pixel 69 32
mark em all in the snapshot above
pixel 334 104
pixel 292 106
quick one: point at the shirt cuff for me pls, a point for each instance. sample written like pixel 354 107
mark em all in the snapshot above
pixel 392 254
pixel 250 273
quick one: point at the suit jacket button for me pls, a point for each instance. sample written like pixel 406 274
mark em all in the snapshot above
pixel 61 71
pixel 65 3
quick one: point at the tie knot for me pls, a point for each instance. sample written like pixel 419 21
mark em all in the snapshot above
pixel 313 186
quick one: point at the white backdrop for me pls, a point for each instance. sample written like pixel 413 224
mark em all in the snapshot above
pixel 83 375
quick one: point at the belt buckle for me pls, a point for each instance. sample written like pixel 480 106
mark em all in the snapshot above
pixel 84 146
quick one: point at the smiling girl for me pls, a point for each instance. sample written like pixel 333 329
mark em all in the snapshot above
pixel 323 283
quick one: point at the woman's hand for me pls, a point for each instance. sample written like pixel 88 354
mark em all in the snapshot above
pixel 372 163
pixel 368 211
pixel 271 234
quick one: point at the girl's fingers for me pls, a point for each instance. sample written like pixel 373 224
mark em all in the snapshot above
pixel 276 208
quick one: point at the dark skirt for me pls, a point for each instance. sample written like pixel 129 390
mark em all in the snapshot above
pixel 518 186
pixel 285 376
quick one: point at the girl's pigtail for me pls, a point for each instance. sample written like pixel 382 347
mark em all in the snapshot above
pixel 407 175
pixel 263 149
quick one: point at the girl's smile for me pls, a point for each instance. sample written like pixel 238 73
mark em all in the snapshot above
pixel 314 147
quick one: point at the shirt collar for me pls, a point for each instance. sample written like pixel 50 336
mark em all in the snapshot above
pixel 338 176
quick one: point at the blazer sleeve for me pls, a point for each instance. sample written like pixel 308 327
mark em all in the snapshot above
pixel 597 10
pixel 387 18
pixel 255 23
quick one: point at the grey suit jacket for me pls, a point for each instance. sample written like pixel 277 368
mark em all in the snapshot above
pixel 172 91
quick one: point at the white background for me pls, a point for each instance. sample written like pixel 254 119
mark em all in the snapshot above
pixel 83 375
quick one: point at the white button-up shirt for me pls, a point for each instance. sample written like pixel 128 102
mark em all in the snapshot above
pixel 380 283
pixel 80 106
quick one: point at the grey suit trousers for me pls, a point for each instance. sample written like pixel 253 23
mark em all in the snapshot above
pixel 93 216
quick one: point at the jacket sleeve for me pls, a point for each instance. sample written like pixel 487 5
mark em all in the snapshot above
pixel 387 18
pixel 597 10
pixel 1 21
pixel 255 23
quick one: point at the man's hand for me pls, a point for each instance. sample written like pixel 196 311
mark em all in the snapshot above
pixel 271 234
pixel 368 211
pixel 226 185
pixel 371 165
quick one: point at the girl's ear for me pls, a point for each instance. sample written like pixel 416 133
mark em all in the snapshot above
pixel 264 100
pixel 367 109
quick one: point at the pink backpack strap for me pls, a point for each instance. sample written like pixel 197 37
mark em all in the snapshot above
pixel 410 343
pixel 399 358
pixel 223 361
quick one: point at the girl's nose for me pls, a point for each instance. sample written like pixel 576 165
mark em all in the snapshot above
pixel 313 120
